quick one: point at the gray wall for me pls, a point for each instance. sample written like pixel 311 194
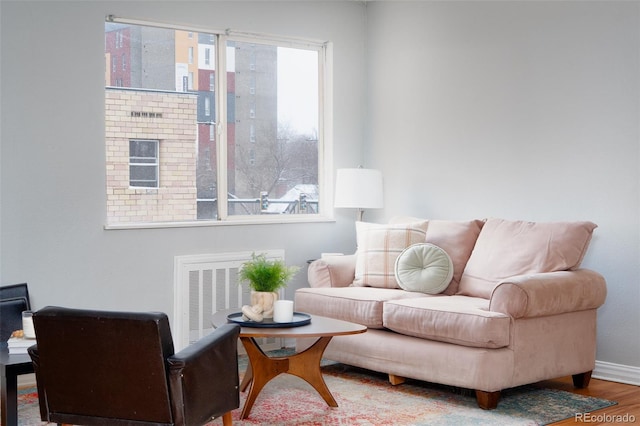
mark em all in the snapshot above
pixel 52 189
pixel 471 109
pixel 520 110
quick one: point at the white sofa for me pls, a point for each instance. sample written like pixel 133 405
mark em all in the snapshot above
pixel 517 310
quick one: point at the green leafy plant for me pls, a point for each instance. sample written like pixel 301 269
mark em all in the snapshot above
pixel 266 275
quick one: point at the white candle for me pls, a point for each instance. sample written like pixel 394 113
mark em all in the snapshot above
pixel 27 325
pixel 283 311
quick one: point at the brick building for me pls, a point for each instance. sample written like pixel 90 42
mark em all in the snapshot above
pixel 165 117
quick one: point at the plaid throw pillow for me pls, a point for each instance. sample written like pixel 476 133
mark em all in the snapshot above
pixel 378 248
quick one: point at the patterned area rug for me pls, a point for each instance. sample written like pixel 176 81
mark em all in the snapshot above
pixel 367 398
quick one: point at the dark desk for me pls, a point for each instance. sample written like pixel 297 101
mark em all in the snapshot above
pixel 10 367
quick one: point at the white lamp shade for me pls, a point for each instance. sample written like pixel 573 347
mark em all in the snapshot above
pixel 358 189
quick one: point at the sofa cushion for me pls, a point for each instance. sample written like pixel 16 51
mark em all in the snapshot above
pixel 461 320
pixel 378 248
pixel 425 268
pixel 362 305
pixel 505 249
pixel 457 238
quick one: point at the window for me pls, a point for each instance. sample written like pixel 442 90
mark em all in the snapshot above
pixel 143 163
pixel 174 155
pixel 207 107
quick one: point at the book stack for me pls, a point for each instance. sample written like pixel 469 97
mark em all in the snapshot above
pixel 19 345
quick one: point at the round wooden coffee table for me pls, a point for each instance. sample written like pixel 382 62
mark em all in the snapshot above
pixel 306 364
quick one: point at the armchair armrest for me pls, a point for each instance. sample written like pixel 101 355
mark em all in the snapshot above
pixel 549 293
pixel 332 271
pixel 205 374
pixel 35 359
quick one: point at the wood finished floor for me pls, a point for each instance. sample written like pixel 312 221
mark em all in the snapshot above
pixel 627 396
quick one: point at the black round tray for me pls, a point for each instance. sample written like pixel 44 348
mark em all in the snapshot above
pixel 299 319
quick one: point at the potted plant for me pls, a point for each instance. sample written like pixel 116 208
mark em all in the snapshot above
pixel 265 277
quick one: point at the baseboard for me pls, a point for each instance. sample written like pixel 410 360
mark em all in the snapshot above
pixel 617 373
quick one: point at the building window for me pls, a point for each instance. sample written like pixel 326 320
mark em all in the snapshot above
pixel 273 139
pixel 143 163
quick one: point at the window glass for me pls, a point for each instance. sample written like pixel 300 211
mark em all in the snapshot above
pixel 168 142
pixel 143 163
pixel 275 149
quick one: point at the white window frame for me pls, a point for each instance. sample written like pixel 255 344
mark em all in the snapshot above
pixel 325 128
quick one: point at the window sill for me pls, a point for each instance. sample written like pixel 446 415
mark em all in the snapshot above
pixel 242 220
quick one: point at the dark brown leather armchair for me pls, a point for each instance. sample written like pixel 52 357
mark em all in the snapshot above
pixel 119 368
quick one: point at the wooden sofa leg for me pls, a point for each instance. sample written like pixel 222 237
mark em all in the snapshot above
pixel 396 380
pixel 226 419
pixel 582 380
pixel 487 400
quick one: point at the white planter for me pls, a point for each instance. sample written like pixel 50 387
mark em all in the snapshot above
pixel 266 300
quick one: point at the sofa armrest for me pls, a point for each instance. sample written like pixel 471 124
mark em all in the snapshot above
pixel 549 293
pixel 332 271
pixel 203 377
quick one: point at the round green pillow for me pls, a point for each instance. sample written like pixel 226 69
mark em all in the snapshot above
pixel 425 268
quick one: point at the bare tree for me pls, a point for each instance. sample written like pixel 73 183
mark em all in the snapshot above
pixel 275 164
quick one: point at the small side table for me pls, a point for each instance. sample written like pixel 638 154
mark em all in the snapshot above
pixel 11 366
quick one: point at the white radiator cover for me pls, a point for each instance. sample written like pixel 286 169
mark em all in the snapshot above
pixel 205 284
